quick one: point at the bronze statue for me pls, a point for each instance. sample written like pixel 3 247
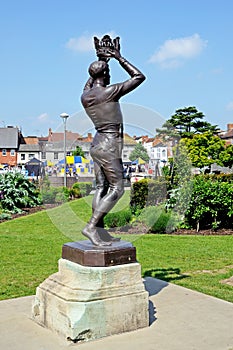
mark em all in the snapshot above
pixel 101 103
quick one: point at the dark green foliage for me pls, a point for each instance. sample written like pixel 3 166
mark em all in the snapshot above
pixel 211 204
pixel 118 219
pixel 188 121
pixel 158 219
pixel 80 189
pixel 5 216
pixel 17 192
pixel 148 192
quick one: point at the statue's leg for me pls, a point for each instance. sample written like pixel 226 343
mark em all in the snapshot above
pixel 102 187
pixel 108 169
pixel 114 174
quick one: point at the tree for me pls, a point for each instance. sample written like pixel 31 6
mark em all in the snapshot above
pixel 168 133
pixel 206 149
pixel 139 152
pixel 188 121
pixel 226 157
pixel 78 152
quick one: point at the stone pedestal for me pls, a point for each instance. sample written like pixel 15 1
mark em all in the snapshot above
pixel 83 303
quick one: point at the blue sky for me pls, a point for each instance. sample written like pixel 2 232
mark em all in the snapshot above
pixel 183 47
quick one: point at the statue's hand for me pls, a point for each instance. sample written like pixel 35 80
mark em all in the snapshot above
pixel 113 53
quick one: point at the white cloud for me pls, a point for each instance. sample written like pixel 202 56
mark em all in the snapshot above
pixel 173 52
pixel 43 117
pixel 84 43
pixel 229 106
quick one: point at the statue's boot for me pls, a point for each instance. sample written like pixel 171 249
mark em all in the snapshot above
pixel 105 235
pixel 91 233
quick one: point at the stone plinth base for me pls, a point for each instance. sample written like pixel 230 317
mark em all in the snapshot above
pixel 83 303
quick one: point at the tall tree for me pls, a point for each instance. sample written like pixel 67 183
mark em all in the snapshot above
pixel 139 152
pixel 188 121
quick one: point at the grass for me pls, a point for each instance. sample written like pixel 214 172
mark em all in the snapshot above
pixel 31 247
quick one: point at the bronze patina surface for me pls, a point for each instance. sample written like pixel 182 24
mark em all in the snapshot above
pixel 86 254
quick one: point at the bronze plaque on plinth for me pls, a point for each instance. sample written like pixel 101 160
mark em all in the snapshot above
pixel 86 254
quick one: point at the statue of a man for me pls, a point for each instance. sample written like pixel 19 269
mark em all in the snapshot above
pixel 101 103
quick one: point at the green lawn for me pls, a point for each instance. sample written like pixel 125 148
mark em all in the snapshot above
pixel 31 247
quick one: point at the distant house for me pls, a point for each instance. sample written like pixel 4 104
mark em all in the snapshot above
pixel 228 135
pixel 29 148
pixel 9 144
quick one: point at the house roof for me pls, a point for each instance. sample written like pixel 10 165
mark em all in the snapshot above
pixel 128 140
pixel 31 140
pixel 29 147
pixel 59 136
pixel 9 137
pixel 227 135
pixel 158 142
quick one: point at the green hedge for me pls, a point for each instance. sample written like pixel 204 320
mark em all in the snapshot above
pixel 148 192
pixel 211 204
pixel 118 219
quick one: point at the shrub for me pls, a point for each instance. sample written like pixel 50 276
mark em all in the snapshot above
pixel 148 192
pixel 211 204
pixel 158 219
pixel 53 195
pixel 118 219
pixel 5 216
pixel 81 189
pixel 17 192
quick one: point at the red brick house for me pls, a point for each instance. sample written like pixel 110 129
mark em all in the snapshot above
pixel 9 144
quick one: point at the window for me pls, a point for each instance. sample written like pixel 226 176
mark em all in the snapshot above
pixel 22 156
pixel 31 155
pixel 158 153
pixel 43 155
pixel 163 153
pixel 55 155
pixel 12 152
pixel 4 152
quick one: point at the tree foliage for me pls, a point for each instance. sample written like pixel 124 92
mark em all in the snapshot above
pixel 206 149
pixel 186 122
pixel 78 152
pixel 139 152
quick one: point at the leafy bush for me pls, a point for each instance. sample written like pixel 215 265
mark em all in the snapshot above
pixel 17 192
pixel 81 189
pixel 5 216
pixel 158 219
pixel 53 195
pixel 118 219
pixel 147 192
pixel 211 204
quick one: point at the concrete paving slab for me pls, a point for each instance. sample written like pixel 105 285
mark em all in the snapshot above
pixel 180 319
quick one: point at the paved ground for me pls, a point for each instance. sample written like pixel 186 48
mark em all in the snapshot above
pixel 181 319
